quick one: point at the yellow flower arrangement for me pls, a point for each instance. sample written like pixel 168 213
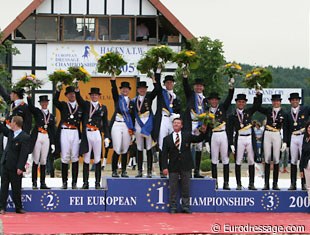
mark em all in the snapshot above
pixel 257 78
pixel 187 60
pixel 111 63
pixel 231 70
pixel 206 118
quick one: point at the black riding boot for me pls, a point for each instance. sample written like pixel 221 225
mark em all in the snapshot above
pixel 251 177
pixel 214 174
pixel 124 165
pixel 85 175
pixel 293 177
pixel 75 171
pixel 275 177
pixel 114 164
pixel 149 155
pixel 267 176
pixel 34 176
pixel 160 159
pixel 42 177
pixel 226 177
pixel 98 175
pixel 140 163
pixel 238 176
pixel 64 175
pixel 303 183
pixel 197 165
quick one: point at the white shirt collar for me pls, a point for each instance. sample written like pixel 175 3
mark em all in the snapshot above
pixel 295 109
pixel 73 104
pixel 94 103
pixel 240 110
pixel 276 109
pixel 18 102
pixel 17 132
pixel 45 111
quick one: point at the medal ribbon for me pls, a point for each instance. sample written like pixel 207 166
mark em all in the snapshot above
pixel 92 110
pixel 46 117
pixel 70 109
pixel 141 102
pixel 199 103
pixel 240 117
pixel 294 116
pixel 274 116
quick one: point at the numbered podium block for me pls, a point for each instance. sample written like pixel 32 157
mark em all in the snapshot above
pixel 153 194
pixel 61 200
pixel 261 201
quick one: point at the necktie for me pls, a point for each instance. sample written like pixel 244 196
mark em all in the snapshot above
pixel 177 141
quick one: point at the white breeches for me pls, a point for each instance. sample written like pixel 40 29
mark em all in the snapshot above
pixel 245 144
pixel 165 129
pixel 95 145
pixel 219 145
pixel 120 137
pixel 195 131
pixel 41 149
pixel 141 138
pixel 70 145
pixel 296 147
pixel 272 142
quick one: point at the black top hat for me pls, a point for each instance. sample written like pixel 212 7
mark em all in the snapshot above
pixel 168 78
pixel 213 95
pixel 198 81
pixel 125 85
pixel 69 89
pixel 241 97
pixel 276 97
pixel 19 92
pixel 142 84
pixel 94 90
pixel 294 96
pixel 43 98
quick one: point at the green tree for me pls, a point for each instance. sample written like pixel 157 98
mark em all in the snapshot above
pixel 210 53
pixel 6 49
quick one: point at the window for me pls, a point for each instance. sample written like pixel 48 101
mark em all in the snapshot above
pixel 27 29
pixel 120 28
pixel 103 29
pixel 46 33
pixel 146 29
pixel 72 28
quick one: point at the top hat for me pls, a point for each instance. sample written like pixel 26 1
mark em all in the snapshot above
pixel 198 81
pixel 276 97
pixel 142 84
pixel 69 89
pixel 294 96
pixel 168 78
pixel 43 98
pixel 19 92
pixel 213 95
pixel 125 85
pixel 241 97
pixel 94 90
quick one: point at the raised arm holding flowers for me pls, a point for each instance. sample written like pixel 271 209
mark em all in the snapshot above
pixel 79 74
pixel 186 60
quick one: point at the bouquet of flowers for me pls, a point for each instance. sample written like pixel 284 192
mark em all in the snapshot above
pixel 186 59
pixel 29 81
pixel 155 57
pixel 80 74
pixel 110 63
pixel 3 105
pixel 206 118
pixel 61 76
pixel 258 78
pixel 231 69
pixel 147 65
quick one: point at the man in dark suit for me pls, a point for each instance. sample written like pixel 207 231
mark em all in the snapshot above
pixel 177 148
pixel 13 163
